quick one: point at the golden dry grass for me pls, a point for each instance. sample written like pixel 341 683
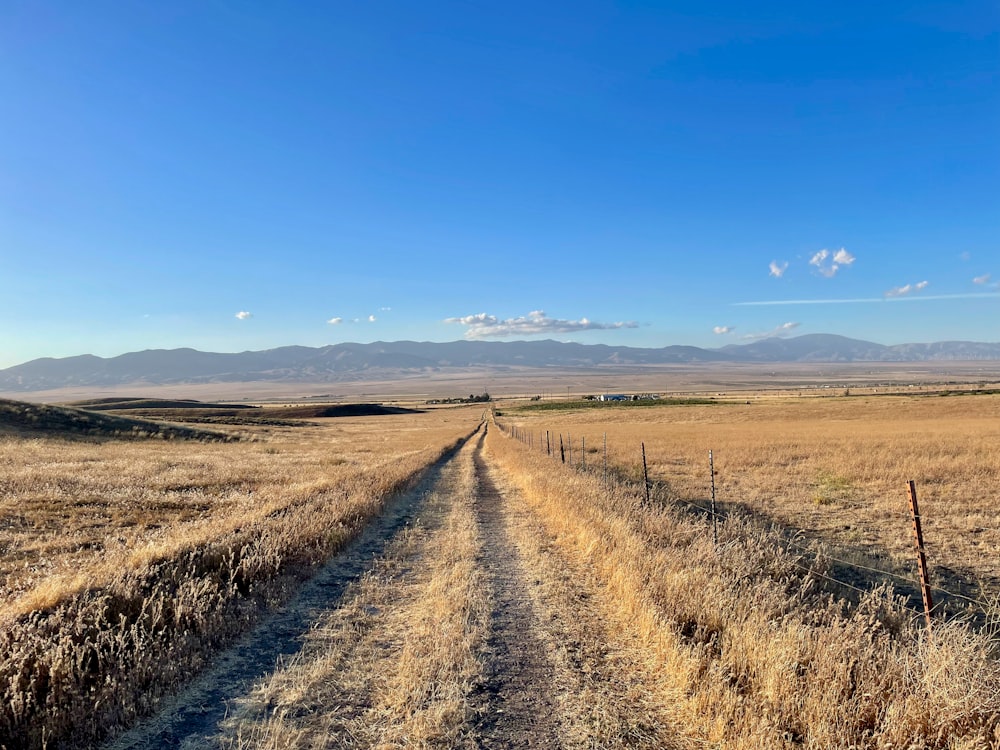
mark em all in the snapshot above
pixel 126 563
pixel 746 648
pixel 834 468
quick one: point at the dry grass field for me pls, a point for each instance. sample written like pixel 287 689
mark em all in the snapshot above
pixel 150 553
pixel 741 644
pixel 831 468
pixel 527 602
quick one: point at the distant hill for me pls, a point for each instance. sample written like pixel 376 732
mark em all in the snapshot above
pixel 20 418
pixel 353 362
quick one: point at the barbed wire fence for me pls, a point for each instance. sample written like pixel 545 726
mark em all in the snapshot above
pixel 612 475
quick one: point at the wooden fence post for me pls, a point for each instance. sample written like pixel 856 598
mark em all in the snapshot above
pixel 918 536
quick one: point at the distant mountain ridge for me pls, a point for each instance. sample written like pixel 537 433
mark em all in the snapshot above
pixel 349 361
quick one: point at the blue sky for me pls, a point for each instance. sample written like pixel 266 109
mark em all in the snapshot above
pixel 242 175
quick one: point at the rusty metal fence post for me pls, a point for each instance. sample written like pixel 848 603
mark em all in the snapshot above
pixel 918 536
pixel 715 521
pixel 645 472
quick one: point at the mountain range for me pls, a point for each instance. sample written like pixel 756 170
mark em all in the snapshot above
pixel 348 361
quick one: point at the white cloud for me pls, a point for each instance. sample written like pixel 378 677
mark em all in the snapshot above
pixel 471 320
pixel 902 291
pixel 778 269
pixel 984 279
pixel 243 315
pixel 335 321
pixel 828 263
pixel 385 309
pixel 774 332
pixel 843 258
pixel 536 322
pixel 723 329
pixel 371 318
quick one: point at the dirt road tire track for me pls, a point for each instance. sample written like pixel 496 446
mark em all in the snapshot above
pixel 517 704
pixel 549 672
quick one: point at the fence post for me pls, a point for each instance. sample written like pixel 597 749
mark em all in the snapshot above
pixel 645 472
pixel 715 521
pixel 548 444
pixel 918 536
pixel 562 450
pixel 605 459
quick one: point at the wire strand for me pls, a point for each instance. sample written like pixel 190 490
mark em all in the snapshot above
pixel 982 605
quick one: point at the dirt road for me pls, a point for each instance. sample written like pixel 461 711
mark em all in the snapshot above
pixel 452 622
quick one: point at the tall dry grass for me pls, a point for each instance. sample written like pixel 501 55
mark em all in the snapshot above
pixel 128 564
pixel 747 647
pixel 834 469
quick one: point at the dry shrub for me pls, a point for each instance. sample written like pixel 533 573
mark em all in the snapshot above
pixel 745 640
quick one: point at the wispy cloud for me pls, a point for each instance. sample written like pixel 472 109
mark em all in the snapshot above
pixel 902 291
pixel 965 255
pixel 774 332
pixel 984 279
pixel 482 325
pixel 863 300
pixel 372 318
pixel 385 309
pixel 777 270
pixel 335 321
pixel 723 329
pixel 828 263
pixel 243 315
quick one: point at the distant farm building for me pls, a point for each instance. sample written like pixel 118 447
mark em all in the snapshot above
pixel 628 397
